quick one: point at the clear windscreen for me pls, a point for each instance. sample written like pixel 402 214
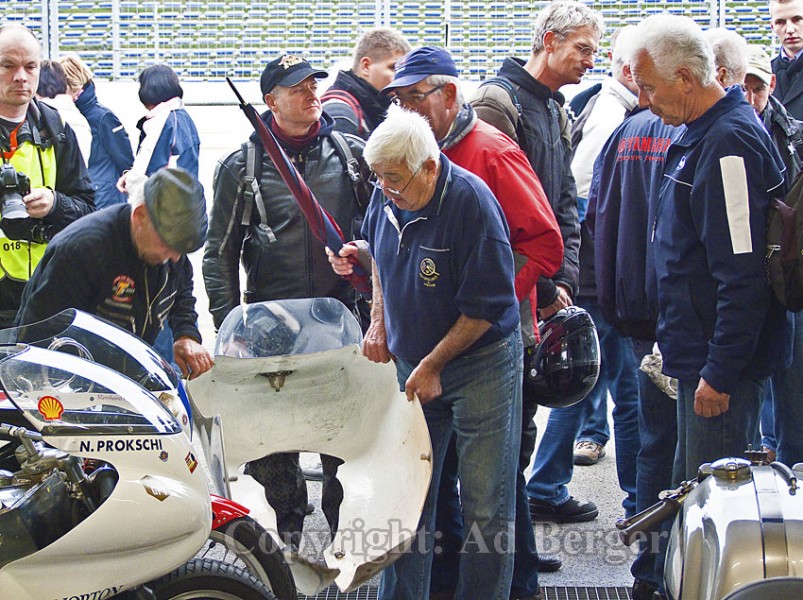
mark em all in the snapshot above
pixel 298 326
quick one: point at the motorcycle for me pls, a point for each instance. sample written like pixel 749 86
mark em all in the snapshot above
pixel 289 376
pixel 737 533
pixel 100 491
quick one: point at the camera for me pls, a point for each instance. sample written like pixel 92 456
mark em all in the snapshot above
pixel 13 186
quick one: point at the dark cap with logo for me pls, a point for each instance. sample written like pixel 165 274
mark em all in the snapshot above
pixel 420 64
pixel 177 208
pixel 287 71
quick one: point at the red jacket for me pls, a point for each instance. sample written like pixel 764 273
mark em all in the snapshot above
pixel 500 163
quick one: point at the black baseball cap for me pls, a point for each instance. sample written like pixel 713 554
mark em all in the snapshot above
pixel 287 71
pixel 177 208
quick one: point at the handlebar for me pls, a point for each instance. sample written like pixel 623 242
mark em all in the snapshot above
pixel 647 520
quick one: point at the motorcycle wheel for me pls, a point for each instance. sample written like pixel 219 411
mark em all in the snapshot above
pixel 204 579
pixel 245 544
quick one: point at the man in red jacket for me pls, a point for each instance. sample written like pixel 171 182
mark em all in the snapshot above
pixel 426 81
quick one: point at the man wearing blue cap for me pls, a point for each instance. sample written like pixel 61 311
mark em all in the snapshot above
pixel 128 264
pixel 256 220
pixel 426 82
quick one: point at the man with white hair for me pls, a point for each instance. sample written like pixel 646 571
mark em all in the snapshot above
pixel 440 248
pixel 730 55
pixel 715 313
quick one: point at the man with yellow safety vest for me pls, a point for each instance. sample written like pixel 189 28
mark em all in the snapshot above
pixel 44 185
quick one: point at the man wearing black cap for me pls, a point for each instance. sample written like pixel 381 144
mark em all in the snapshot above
pixel 128 264
pixel 256 220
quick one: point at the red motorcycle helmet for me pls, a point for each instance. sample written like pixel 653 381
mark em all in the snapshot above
pixel 564 367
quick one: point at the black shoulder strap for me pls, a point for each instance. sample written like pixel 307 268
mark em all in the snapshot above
pixel 252 194
pixel 518 125
pixel 352 168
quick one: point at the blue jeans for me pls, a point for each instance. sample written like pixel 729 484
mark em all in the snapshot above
pixel 481 403
pixel 554 465
pixel 702 440
pixel 657 420
pixel 449 519
pixel 596 429
pixel 767 417
pixel 789 402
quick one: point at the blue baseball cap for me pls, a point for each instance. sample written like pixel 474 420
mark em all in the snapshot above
pixel 420 64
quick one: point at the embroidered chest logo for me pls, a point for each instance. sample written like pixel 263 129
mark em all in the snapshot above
pixel 681 164
pixel 123 289
pixel 428 272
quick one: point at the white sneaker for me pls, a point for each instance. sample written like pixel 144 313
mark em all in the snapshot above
pixel 588 453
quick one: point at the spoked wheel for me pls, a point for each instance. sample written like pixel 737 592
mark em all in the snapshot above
pixel 204 579
pixel 245 544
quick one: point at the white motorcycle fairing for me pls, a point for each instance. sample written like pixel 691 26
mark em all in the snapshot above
pixel 159 512
pixel 334 402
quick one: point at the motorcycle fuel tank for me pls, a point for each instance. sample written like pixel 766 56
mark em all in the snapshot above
pixel 741 524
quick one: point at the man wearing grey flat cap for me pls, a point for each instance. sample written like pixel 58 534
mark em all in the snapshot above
pixel 128 264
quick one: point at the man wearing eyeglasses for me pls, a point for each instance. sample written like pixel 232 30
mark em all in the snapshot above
pixel 524 102
pixel 426 82
pixel 256 220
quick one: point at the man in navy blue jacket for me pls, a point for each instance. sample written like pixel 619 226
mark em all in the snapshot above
pixel 716 316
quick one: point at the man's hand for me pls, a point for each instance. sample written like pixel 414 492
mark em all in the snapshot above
pixel 562 301
pixel 192 358
pixel 341 263
pixel 39 202
pixel 708 402
pixel 423 382
pixel 375 343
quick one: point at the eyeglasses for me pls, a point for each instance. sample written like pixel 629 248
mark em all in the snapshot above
pixel 414 98
pixel 585 51
pixel 375 182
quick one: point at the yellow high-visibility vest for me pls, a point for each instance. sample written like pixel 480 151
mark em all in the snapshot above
pixel 18 258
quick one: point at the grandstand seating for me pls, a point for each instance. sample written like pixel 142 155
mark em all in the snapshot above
pixel 206 40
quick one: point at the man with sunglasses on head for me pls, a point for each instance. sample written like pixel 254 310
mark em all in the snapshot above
pixel 524 102
pixel 426 82
pixel 256 220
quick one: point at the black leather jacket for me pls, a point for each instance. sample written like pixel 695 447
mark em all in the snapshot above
pixel 548 147
pixel 281 258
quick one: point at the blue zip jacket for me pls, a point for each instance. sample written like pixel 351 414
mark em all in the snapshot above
pixel 110 153
pixel 621 208
pixel 452 257
pixel 716 315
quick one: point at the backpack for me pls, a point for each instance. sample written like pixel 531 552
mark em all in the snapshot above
pixel 253 172
pixel 350 101
pixel 785 247
pixel 518 125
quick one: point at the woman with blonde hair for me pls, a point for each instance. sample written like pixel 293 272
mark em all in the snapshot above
pixel 110 154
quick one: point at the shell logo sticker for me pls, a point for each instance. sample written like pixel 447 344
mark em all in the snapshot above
pixel 50 408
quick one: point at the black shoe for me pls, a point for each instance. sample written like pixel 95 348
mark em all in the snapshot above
pixel 643 590
pixel 548 564
pixel 571 511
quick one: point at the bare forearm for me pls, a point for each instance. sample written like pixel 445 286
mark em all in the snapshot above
pixel 460 336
